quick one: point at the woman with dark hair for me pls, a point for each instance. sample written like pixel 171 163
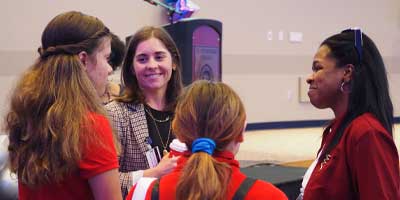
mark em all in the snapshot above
pixel 358 158
pixel 117 52
pixel 142 115
pixel 61 145
pixel 114 89
pixel 210 119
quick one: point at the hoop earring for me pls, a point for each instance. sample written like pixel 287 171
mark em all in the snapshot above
pixel 343 89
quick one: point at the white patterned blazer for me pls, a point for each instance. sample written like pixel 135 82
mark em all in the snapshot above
pixel 129 121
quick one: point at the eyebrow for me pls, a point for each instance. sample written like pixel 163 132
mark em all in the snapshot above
pixel 157 52
pixel 160 52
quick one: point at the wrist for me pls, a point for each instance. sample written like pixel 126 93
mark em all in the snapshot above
pixel 152 172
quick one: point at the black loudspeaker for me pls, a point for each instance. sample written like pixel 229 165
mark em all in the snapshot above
pixel 287 179
pixel 199 42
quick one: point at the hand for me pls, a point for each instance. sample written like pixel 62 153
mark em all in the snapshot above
pixel 166 165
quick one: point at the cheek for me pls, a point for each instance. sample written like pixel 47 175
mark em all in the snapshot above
pixel 136 68
pixel 169 67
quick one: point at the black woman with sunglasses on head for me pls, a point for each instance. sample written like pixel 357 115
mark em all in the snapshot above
pixel 358 158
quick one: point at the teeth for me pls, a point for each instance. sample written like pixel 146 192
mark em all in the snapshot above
pixel 152 75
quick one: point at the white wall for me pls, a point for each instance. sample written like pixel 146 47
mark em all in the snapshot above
pixel 264 73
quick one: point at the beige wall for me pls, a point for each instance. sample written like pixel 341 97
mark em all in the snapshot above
pixel 264 73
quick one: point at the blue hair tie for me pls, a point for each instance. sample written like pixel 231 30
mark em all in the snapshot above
pixel 203 144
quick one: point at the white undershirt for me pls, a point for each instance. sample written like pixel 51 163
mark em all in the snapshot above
pixel 307 176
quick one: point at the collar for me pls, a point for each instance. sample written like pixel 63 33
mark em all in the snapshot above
pixel 330 130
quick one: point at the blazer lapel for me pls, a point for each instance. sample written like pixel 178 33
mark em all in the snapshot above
pixel 139 126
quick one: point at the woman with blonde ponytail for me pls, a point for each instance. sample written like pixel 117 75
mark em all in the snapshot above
pixel 210 119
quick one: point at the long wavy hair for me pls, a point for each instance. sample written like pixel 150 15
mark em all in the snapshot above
pixel 215 111
pixel 369 84
pixel 132 92
pixel 49 115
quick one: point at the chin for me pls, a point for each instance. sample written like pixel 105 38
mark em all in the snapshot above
pixel 315 103
pixel 318 105
pixel 155 86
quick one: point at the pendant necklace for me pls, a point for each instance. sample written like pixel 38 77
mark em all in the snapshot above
pixel 164 145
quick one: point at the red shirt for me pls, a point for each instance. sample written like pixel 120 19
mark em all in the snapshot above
pixel 363 165
pixel 96 160
pixel 260 189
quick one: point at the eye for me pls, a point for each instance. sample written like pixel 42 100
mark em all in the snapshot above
pixel 141 59
pixel 160 57
pixel 316 68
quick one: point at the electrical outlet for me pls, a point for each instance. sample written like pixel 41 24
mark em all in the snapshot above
pixel 269 35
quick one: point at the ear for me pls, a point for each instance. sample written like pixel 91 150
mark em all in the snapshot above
pixel 348 72
pixel 241 137
pixel 83 57
pixel 173 67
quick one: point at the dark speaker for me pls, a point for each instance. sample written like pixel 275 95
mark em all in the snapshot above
pixel 287 179
pixel 199 42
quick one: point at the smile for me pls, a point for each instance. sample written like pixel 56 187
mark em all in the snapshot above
pixel 153 75
pixel 312 88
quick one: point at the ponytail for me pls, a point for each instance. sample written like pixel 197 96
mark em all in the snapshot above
pixel 203 177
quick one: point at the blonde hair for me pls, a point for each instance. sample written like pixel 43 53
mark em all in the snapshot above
pixel 215 111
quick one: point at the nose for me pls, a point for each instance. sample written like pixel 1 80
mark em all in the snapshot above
pixel 310 78
pixel 151 64
pixel 109 69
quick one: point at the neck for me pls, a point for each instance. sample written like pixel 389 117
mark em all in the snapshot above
pixel 341 106
pixel 156 100
pixel 233 147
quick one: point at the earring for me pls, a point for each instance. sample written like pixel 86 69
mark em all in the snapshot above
pixel 343 89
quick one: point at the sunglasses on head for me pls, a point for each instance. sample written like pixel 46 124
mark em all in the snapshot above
pixel 358 40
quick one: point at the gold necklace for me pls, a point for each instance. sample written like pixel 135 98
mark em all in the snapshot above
pixel 155 119
pixel 165 152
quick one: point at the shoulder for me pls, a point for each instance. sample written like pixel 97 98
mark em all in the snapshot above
pixel 367 120
pixel 99 125
pixel 97 119
pixel 366 125
pixel 116 108
pixel 265 190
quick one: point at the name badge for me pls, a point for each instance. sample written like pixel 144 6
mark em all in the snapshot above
pixel 153 156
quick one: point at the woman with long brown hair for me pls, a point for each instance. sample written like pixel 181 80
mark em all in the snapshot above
pixel 151 76
pixel 210 119
pixel 61 144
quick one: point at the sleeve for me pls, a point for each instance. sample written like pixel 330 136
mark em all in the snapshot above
pixel 99 157
pixel 116 114
pixel 375 166
pixel 125 179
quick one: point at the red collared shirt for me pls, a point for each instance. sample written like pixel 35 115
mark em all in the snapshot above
pixel 363 165
pixel 260 189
